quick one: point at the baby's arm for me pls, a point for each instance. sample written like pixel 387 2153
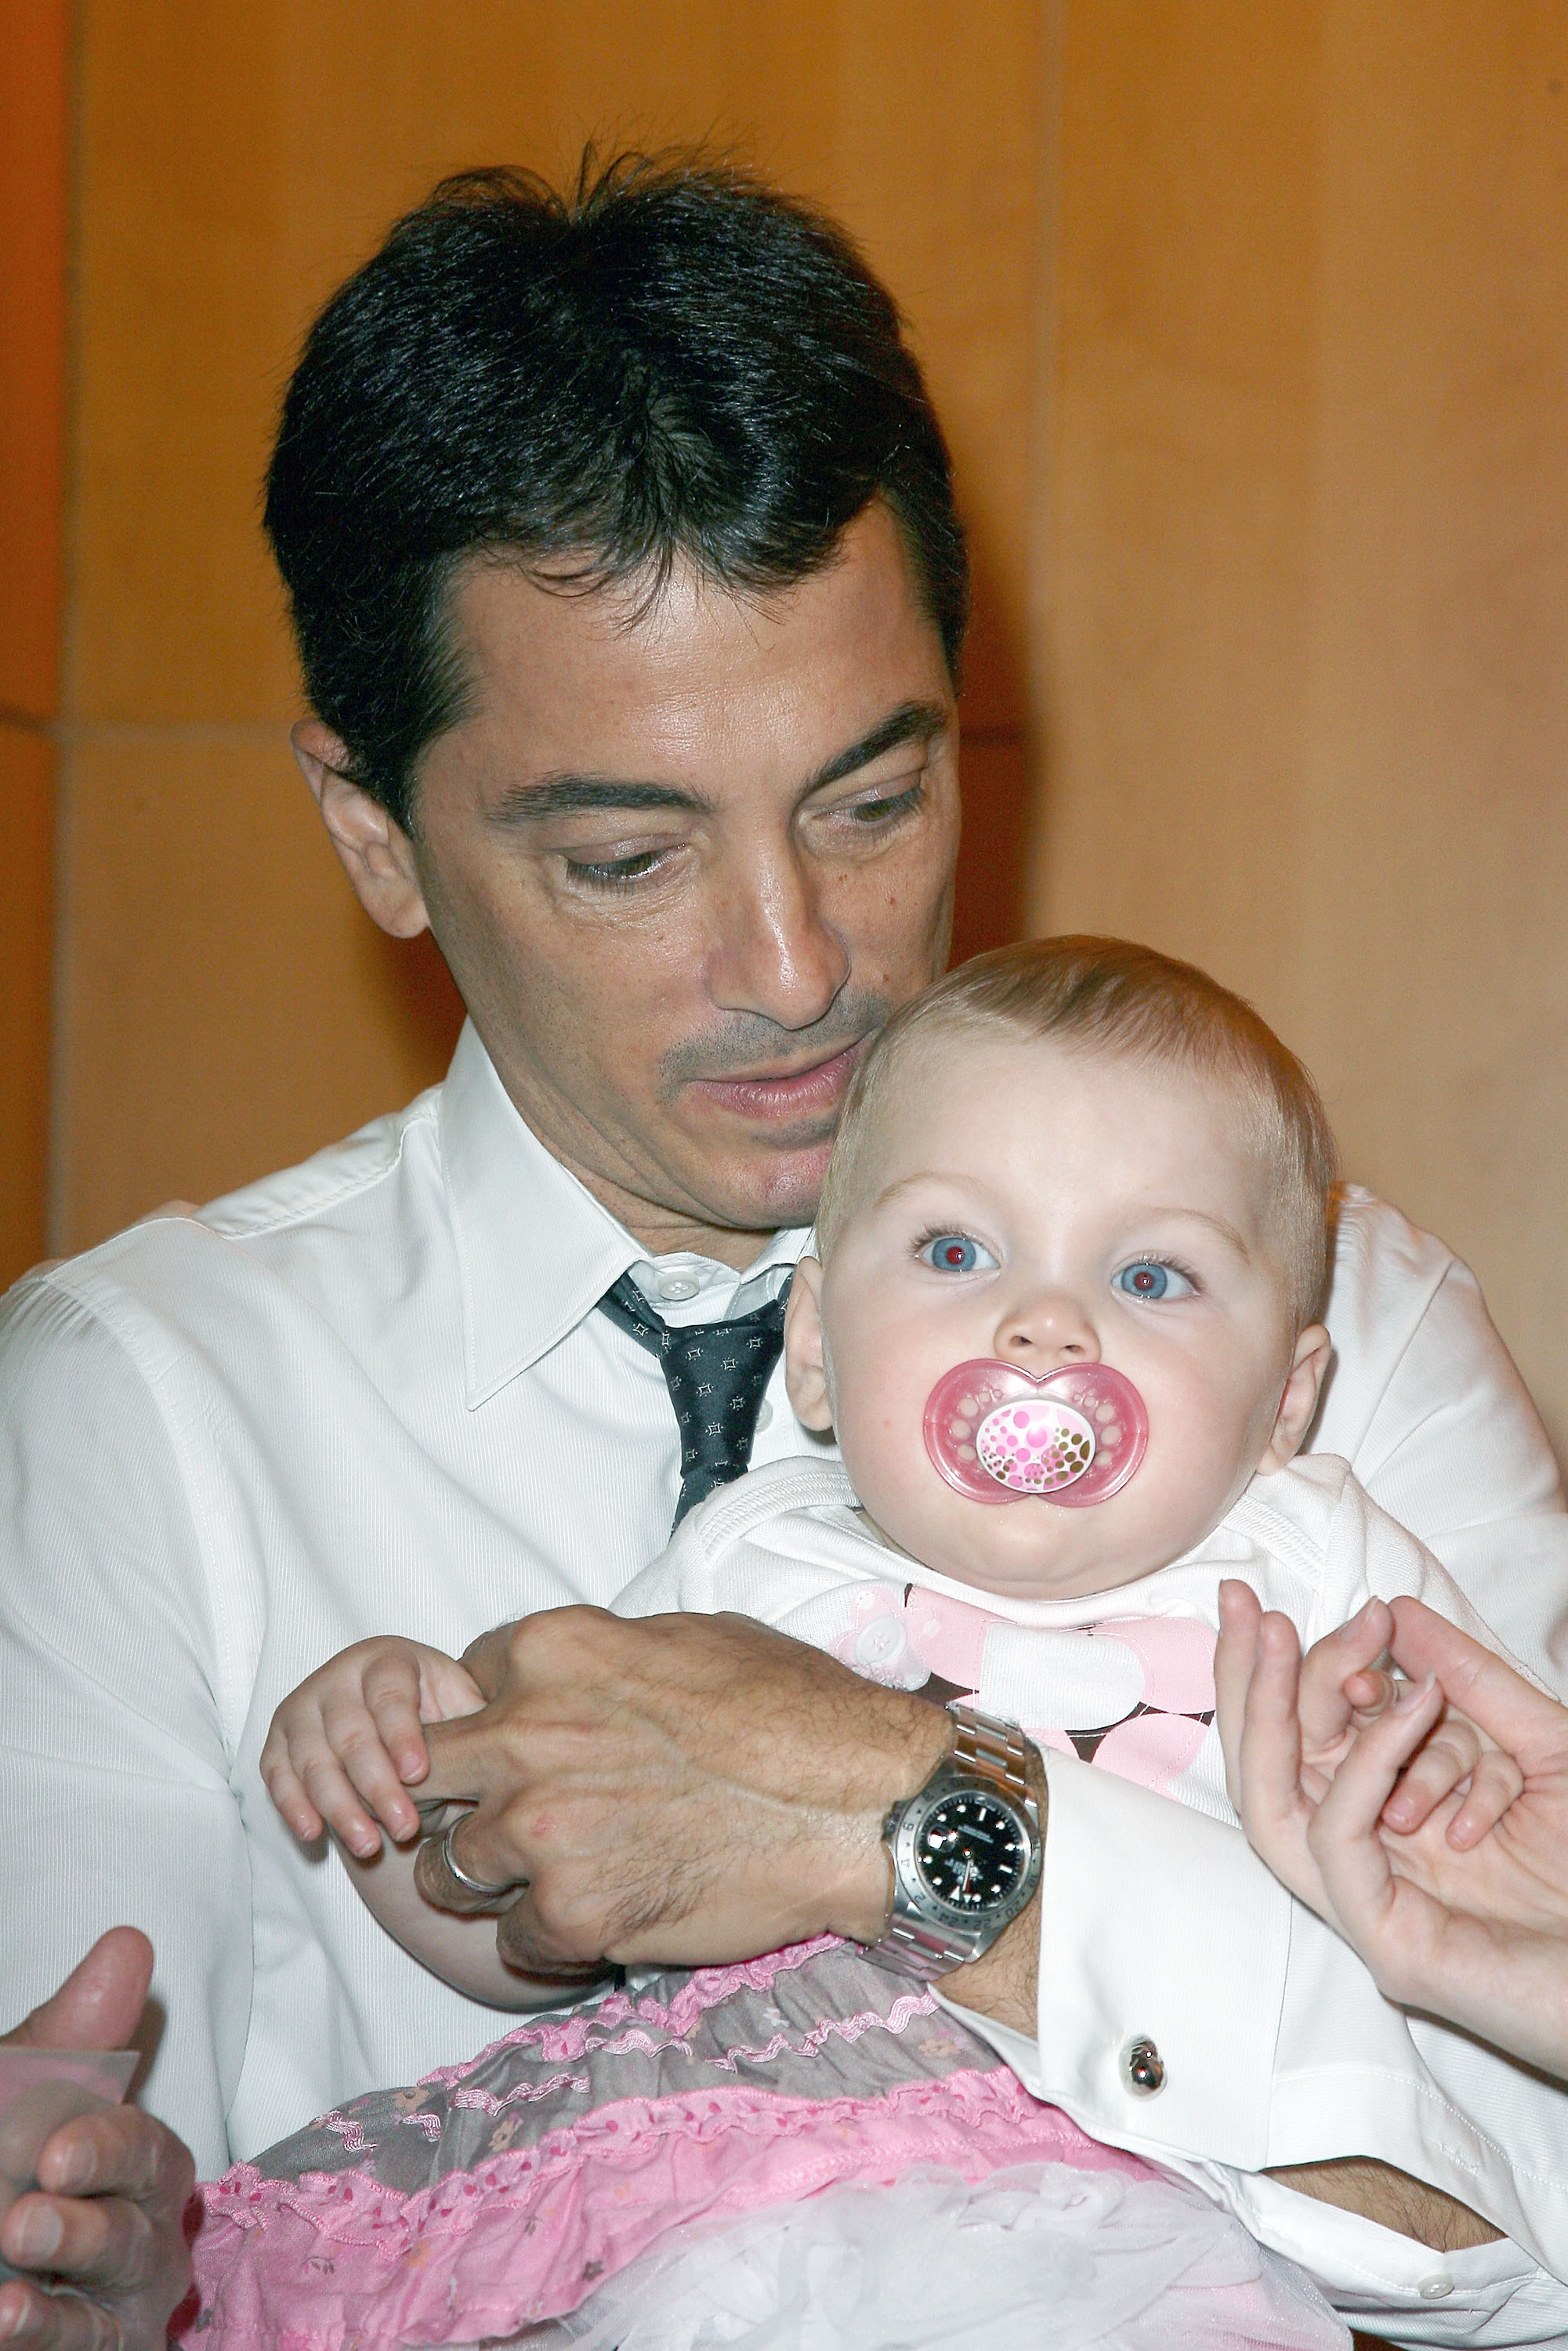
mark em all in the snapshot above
pixel 342 1752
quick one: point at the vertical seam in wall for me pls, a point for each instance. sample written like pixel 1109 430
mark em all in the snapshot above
pixel 1043 295
pixel 57 1181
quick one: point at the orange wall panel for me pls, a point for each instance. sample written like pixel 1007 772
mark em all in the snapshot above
pixel 34 60
pixel 27 821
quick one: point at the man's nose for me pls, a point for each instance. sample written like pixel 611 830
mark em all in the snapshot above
pixel 1048 1327
pixel 777 954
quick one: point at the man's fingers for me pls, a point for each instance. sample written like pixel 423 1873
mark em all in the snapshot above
pixel 467 1895
pixel 462 1759
pixel 525 1943
pixel 100 2001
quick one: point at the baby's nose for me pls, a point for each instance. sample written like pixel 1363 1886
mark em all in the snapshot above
pixel 1048 1328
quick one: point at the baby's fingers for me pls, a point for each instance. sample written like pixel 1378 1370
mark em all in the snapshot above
pixel 1495 1782
pixel 391 1699
pixel 1448 1756
pixel 286 1791
pixel 335 1797
pixel 360 1763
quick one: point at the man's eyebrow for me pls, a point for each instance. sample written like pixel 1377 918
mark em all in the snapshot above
pixel 566 794
pixel 569 793
pixel 911 722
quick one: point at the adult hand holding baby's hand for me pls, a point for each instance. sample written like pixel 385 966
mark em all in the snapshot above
pixel 1458 1902
pixel 345 1747
pixel 679 1789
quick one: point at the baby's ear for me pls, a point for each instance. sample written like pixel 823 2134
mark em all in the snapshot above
pixel 1299 1401
pixel 805 1364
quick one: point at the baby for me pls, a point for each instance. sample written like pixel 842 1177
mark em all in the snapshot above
pixel 1061 1323
pixel 1083 1189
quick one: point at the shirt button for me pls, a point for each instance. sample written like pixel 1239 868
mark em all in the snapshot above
pixel 674 1285
pixel 1143 2068
pixel 1436 2288
pixel 764 1414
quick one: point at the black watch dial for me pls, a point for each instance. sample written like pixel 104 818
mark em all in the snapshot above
pixel 971 1851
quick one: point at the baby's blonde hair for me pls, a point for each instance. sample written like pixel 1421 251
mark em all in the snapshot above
pixel 1108 996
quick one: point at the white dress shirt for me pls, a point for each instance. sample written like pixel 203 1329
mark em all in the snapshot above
pixel 787 1545
pixel 371 1394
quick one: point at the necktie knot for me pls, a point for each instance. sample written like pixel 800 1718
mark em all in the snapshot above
pixel 716 1374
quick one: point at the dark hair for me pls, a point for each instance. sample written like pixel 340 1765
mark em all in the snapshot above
pixel 671 363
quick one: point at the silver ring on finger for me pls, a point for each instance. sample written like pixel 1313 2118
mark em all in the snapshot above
pixel 473 1884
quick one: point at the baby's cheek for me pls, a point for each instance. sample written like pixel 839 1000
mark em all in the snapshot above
pixel 1197 1445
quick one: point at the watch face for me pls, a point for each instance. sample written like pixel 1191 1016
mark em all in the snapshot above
pixel 971 1851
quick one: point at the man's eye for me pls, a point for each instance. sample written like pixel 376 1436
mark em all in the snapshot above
pixel 613 872
pixel 892 806
pixel 955 1253
pixel 1148 1279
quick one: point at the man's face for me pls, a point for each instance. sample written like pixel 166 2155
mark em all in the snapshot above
pixel 683 862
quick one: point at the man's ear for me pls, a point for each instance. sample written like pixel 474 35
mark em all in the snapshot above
pixel 805 1363
pixel 376 855
pixel 1299 1401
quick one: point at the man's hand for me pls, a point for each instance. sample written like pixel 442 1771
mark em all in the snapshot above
pixel 115 2183
pixel 346 1745
pixel 677 1789
pixel 1464 1913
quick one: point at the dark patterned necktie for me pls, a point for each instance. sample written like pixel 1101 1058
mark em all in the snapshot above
pixel 716 1372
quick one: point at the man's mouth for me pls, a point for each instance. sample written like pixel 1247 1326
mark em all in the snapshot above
pixel 786 1097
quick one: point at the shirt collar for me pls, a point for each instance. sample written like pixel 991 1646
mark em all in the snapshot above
pixel 536 1251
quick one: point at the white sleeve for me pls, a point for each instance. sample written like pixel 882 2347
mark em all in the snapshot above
pixel 1424 1403
pixel 1371 1555
pixel 117 1794
pixel 781 1567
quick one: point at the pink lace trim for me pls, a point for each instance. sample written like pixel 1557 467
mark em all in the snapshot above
pixel 561 2041
pixel 339 2263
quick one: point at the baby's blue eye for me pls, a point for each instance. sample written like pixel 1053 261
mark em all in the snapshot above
pixel 955 1253
pixel 1147 1278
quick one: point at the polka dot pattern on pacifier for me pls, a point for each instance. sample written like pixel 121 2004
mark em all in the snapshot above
pixel 1033 1447
pixel 999 1433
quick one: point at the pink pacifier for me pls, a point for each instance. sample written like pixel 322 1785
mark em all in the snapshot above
pixel 1073 1436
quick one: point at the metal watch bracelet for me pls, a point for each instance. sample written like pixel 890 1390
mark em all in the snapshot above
pixel 990 1755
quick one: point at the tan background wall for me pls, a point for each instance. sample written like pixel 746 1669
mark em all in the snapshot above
pixel 1247 319
pixel 1304 571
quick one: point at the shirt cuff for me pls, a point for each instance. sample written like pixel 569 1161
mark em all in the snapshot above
pixel 1162 1953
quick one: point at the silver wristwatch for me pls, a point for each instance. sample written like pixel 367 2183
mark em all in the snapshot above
pixel 966 1850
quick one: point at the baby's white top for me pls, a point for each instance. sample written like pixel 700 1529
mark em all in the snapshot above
pixel 787 1544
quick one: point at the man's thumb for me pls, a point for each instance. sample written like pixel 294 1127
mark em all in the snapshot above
pixel 99 2002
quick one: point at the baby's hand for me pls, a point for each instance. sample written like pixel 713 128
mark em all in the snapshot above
pixel 1345 1687
pixel 352 1730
